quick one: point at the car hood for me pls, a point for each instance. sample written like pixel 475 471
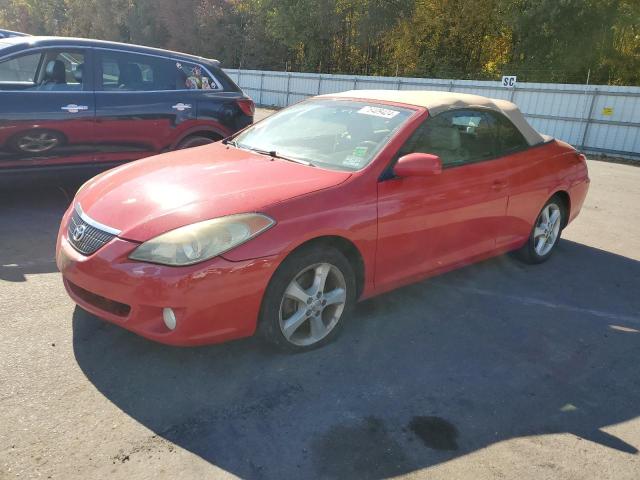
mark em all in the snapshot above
pixel 148 197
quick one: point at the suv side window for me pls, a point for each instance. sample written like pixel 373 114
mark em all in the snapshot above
pixel 45 70
pixel 131 72
pixel 138 72
pixel 458 137
pixel 22 69
pixel 62 71
pixel 193 77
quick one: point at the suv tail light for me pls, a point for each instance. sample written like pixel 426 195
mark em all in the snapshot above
pixel 247 106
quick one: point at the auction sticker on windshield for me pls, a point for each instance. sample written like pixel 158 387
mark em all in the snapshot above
pixel 378 112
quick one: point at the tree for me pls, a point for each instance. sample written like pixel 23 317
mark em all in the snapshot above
pixel 539 40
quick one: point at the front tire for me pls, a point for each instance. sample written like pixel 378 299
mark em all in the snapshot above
pixel 37 141
pixel 545 233
pixel 195 141
pixel 308 299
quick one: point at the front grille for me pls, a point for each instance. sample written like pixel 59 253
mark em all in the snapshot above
pixel 106 304
pixel 84 237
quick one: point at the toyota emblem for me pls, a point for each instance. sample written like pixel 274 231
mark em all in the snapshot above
pixel 78 232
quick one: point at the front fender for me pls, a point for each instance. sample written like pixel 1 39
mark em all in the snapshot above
pixel 348 211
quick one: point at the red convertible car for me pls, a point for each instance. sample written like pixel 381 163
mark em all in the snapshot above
pixel 284 226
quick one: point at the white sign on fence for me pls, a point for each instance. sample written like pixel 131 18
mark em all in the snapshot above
pixel 509 81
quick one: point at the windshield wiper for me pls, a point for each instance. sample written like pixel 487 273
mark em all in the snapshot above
pixel 274 154
pixel 292 159
pixel 230 141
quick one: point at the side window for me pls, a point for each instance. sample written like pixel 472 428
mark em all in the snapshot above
pixel 63 71
pixel 457 137
pixel 138 72
pixel 509 137
pixel 21 70
pixel 47 70
pixel 132 72
pixel 193 77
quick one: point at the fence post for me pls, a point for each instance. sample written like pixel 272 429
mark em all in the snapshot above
pixel 513 94
pixel 355 83
pixel 588 119
pixel 319 84
pixel 399 84
pixel 261 87
pixel 451 86
pixel 239 74
pixel 286 103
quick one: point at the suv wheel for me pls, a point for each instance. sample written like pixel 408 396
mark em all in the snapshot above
pixel 194 141
pixel 36 141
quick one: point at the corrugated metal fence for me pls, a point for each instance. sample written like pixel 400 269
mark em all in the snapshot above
pixel 596 118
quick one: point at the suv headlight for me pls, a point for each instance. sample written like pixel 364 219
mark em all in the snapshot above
pixel 203 240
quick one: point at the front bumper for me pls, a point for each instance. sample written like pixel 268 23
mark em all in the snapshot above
pixel 214 301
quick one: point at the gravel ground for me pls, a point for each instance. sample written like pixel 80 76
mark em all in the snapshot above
pixel 498 370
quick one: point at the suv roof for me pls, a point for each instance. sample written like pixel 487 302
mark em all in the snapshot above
pixel 36 41
pixel 10 33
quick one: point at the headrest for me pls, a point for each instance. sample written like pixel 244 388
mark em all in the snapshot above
pixel 130 74
pixel 77 73
pixel 55 72
pixel 443 138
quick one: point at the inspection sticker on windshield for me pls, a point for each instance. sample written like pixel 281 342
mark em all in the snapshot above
pixel 378 112
pixel 352 161
pixel 360 151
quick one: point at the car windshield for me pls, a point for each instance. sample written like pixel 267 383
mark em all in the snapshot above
pixel 335 134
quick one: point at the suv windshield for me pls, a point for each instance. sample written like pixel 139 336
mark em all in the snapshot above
pixel 335 134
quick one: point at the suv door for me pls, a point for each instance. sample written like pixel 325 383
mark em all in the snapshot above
pixel 430 224
pixel 47 107
pixel 144 103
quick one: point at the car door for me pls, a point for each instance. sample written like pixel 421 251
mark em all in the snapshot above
pixel 529 179
pixel 143 104
pixel 47 107
pixel 430 224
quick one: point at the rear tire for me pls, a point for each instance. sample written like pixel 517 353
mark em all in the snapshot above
pixel 195 141
pixel 308 299
pixel 546 232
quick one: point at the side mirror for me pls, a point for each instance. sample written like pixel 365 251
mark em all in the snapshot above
pixel 418 165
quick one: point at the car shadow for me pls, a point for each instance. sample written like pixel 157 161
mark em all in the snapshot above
pixel 30 220
pixel 420 376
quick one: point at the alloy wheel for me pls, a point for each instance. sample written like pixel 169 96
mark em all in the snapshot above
pixel 547 229
pixel 312 304
pixel 37 143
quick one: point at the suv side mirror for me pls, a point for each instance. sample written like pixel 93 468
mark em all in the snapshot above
pixel 418 165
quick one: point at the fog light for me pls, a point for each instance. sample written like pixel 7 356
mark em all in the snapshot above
pixel 169 318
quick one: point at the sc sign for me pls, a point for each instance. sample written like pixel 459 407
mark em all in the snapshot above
pixel 509 81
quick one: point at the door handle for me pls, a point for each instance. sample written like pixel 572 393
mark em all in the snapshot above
pixel 73 108
pixel 181 107
pixel 499 184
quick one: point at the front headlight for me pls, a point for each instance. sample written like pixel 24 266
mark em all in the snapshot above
pixel 203 240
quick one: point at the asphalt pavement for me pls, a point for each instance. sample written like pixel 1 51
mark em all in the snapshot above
pixel 497 370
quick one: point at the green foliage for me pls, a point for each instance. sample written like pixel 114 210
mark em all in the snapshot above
pixel 538 40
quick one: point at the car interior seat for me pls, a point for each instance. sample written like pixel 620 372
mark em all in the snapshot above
pixel 54 75
pixel 130 77
pixel 78 72
pixel 445 142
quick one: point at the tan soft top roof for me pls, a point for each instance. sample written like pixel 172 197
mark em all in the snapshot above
pixel 437 102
